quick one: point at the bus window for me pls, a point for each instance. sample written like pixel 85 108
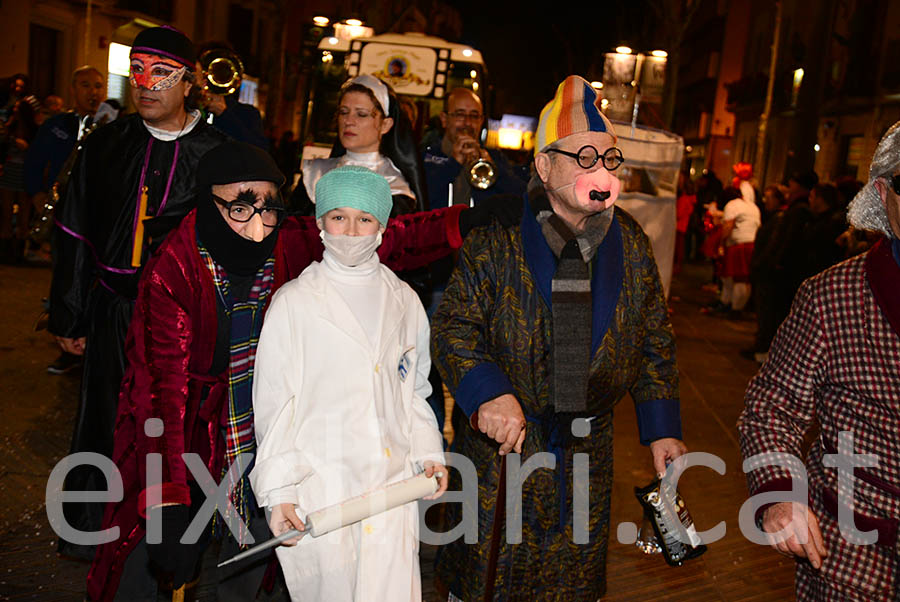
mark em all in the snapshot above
pixel 465 75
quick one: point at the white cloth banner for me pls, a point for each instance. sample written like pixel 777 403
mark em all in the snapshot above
pixel 649 179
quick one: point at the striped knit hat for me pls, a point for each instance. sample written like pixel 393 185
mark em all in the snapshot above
pixel 574 109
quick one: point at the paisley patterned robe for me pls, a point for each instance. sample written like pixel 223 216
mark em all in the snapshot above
pixel 491 335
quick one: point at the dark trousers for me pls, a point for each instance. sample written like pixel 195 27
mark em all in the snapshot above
pixel 774 296
pixel 237 582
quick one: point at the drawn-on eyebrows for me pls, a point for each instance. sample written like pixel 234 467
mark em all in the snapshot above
pixel 249 196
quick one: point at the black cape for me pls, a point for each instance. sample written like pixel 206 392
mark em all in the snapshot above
pixel 94 283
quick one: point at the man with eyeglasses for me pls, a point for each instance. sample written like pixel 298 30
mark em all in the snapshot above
pixel 448 185
pixel 190 354
pixel 462 120
pixel 190 351
pixel 835 364
pixel 543 327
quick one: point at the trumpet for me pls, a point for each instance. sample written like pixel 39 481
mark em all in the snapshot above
pixel 480 171
pixel 222 71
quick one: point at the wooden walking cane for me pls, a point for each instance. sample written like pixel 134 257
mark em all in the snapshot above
pixel 496 527
pixel 494 550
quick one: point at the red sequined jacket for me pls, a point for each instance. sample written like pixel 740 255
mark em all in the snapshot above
pixel 169 350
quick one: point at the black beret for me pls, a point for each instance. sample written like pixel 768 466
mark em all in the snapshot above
pixel 233 161
pixel 168 42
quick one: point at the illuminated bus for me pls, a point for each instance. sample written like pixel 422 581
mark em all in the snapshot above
pixel 419 67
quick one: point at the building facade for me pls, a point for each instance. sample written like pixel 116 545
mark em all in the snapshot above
pixel 836 87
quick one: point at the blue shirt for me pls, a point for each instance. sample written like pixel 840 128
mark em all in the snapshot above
pixel 441 170
pixel 241 122
pixel 49 150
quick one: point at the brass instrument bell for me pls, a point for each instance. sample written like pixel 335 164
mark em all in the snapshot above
pixel 482 173
pixel 222 71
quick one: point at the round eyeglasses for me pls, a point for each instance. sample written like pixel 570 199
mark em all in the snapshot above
pixel 242 211
pixel 587 156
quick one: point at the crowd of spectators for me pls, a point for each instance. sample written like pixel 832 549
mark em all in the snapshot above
pixel 763 246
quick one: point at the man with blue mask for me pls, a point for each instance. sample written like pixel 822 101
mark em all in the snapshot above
pixel 544 326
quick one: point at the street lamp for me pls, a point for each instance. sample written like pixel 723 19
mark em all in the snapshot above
pixel 629 77
pixel 349 29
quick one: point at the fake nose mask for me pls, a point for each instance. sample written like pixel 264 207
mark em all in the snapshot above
pixel 598 186
pixel 154 73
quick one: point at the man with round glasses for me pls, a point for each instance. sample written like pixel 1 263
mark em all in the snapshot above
pixel 543 327
pixel 190 363
pixel 835 364
pixel 587 156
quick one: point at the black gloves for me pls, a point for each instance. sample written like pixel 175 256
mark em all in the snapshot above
pixel 170 556
pixel 507 208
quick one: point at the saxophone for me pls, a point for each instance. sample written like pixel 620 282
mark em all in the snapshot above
pixel 43 224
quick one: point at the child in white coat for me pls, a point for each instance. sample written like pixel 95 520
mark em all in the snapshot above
pixel 339 403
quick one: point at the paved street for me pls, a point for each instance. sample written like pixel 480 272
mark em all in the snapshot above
pixel 39 410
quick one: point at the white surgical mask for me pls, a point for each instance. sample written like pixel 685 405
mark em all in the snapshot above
pixel 350 250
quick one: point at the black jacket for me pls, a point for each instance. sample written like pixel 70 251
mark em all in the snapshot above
pixel 96 226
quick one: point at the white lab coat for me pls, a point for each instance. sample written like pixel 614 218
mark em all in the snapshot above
pixel 337 416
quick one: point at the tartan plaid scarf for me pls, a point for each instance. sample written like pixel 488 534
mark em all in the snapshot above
pixel 246 323
pixel 570 300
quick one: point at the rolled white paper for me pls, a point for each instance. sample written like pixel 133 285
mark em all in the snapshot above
pixel 374 502
pixel 352 510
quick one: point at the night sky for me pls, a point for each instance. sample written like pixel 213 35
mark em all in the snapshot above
pixel 528 52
